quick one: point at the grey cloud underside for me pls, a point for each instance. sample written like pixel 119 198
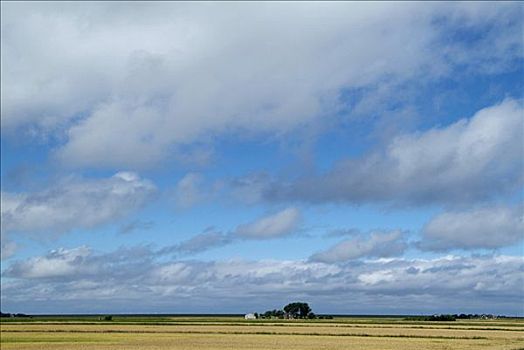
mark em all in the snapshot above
pixel 166 75
pixel 86 281
pixel 470 161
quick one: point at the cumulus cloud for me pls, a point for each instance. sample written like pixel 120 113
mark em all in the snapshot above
pixel 81 262
pixel 7 247
pixel 472 159
pixel 249 189
pixel 58 263
pixel 277 225
pixel 192 189
pixel 75 203
pixel 164 75
pixel 282 223
pixel 374 244
pixel 187 192
pixel 210 238
pixel 487 227
pixel 136 225
pixel 80 278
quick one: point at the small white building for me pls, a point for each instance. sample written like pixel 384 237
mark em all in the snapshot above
pixel 250 316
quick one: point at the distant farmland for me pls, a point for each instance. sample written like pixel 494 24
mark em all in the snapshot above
pixel 233 332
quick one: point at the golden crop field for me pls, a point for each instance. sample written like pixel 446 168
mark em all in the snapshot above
pixel 206 333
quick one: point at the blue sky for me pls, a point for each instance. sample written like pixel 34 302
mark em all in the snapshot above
pixel 233 157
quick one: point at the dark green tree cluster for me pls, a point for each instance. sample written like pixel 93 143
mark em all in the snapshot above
pixel 432 318
pixel 292 310
pixel 273 314
pixel 298 310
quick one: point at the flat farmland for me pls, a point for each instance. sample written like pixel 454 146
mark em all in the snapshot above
pixel 210 333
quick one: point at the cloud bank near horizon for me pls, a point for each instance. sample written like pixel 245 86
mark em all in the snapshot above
pixel 81 278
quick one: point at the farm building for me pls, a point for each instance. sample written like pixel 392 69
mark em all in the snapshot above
pixel 250 316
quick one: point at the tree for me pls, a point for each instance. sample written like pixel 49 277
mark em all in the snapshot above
pixel 292 310
pixel 305 310
pixel 297 310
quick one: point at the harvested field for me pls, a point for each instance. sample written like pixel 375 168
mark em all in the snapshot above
pixel 234 333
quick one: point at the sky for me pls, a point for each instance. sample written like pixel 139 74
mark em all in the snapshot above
pixel 231 157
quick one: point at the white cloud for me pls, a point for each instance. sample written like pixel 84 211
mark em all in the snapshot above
pixel 188 191
pixel 75 203
pixel 204 241
pixel 136 225
pixel 279 224
pixel 470 160
pixel 193 189
pixel 488 227
pixel 86 281
pixel 375 244
pixel 58 263
pixel 8 248
pixel 163 75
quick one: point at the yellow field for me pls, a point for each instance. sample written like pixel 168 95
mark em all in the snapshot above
pixel 233 333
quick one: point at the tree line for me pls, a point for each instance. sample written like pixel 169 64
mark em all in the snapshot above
pixel 295 310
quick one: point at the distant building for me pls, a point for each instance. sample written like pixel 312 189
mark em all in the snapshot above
pixel 250 316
